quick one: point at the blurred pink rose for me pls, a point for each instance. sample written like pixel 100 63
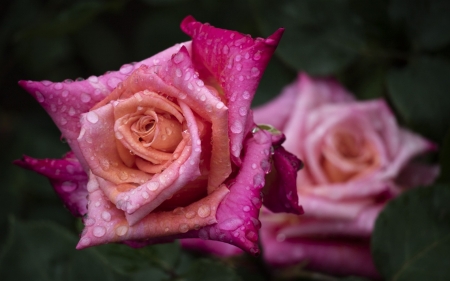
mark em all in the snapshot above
pixel 166 148
pixel 356 157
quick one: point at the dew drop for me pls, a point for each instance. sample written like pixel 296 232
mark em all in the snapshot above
pixel 190 214
pixel 145 195
pixel 153 185
pixel 238 58
pixel 85 241
pixel 93 79
pixel 99 231
pixel 204 211
pixel 203 98
pixel 68 186
pixel 236 127
pixel 113 82
pixel 178 72
pixel 246 95
pixel 257 56
pixel 92 117
pixel 256 202
pixel 255 71
pixel 122 230
pixel 241 78
pixel 85 98
pixel 89 222
pixel 252 236
pixel 254 166
pixel 123 175
pixel 219 105
pixel 65 93
pixel 183 228
pixel 119 135
pixel 106 216
pixel 200 83
pixel 39 96
pixel 126 68
pixel 258 180
pixel 238 67
pixel 265 166
pixel 243 111
pixel 58 86
pixel 231 224
pixel 177 58
pixel 225 49
pixel 246 209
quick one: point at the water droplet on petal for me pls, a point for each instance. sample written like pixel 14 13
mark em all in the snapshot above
pixel 203 98
pixel 145 195
pixel 255 71
pixel 99 231
pixel 256 202
pixel 153 185
pixel 257 56
pixel 126 68
pixel 123 175
pixel 204 211
pixel 85 241
pixel 246 208
pixel 92 117
pixel 106 216
pixel 85 97
pixel 236 127
pixel 122 230
pixel 258 181
pixel 39 96
pixel 68 186
pixel 252 236
pixel 183 228
pixel 89 222
pixel 58 86
pixel 219 105
pixel 225 49
pixel 178 57
pixel 246 95
pixel 200 83
pixel 230 224
pixel 243 111
pixel 190 214
pixel 178 72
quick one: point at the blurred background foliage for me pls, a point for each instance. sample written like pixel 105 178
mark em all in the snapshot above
pixel 397 49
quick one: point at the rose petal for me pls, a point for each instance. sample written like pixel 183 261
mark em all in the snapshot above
pixel 105 223
pixel 67 178
pixel 278 110
pixel 280 192
pixel 237 215
pixel 234 61
pixel 323 255
pixel 213 247
pixel 59 98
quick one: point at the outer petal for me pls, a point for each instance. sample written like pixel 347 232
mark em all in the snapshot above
pixel 66 101
pixel 234 61
pixel 67 178
pixel 323 255
pixel 280 192
pixel 277 111
pixel 213 247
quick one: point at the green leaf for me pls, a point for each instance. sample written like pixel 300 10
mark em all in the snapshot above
pixel 206 270
pixel 321 36
pixel 421 93
pixel 427 21
pixel 411 240
pixel 44 251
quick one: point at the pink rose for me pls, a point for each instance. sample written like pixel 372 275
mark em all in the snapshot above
pixel 356 157
pixel 169 144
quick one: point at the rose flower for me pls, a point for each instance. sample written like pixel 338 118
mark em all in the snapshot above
pixel 356 157
pixel 169 144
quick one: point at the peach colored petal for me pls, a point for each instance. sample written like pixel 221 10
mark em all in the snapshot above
pixel 104 160
pixel 105 224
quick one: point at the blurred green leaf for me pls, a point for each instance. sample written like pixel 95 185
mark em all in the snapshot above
pixel 427 21
pixel 162 2
pixel 321 37
pixel 444 160
pixel 421 93
pixel 411 240
pixel 44 251
pixel 207 269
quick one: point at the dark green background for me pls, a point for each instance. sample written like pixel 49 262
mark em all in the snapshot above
pixel 395 49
